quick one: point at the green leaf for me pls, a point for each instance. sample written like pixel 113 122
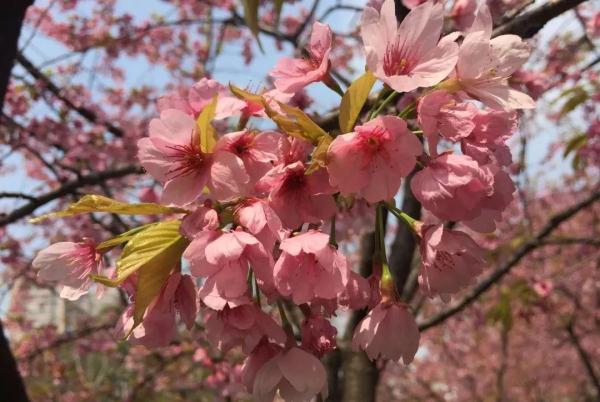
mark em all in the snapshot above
pixel 354 99
pixel 99 203
pixel 575 143
pixel 300 125
pixel 208 137
pixel 577 96
pixel 251 18
pixel 157 246
pixel 293 121
pixel 122 238
pixel 319 155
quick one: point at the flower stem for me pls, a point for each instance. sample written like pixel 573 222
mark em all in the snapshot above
pixel 408 220
pixel 385 102
pixel 380 234
pixel 333 85
pixel 284 320
pixel 407 110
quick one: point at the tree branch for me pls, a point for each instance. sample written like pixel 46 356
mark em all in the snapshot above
pixel 585 358
pixel 66 338
pixel 531 22
pixel 83 111
pixel 505 268
pixel 67 188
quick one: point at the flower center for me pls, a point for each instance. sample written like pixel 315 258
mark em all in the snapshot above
pixel 187 159
pixel 242 145
pixel 395 61
pixel 444 261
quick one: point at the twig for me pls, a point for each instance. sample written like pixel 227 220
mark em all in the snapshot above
pixel 83 111
pixel 68 187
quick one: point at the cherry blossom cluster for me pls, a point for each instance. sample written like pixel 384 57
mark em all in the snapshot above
pixel 255 206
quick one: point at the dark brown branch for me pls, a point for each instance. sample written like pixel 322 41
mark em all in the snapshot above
pixel 531 22
pixel 83 111
pixel 505 268
pixel 8 194
pixel 67 188
pixel 585 358
pixel 66 338
pixel 567 241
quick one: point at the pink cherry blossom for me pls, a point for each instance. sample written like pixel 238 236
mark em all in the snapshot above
pixel 196 99
pixel 439 114
pixel 318 335
pixel 172 156
pixel 309 267
pixel 223 258
pixel 452 187
pixel 463 13
pixel 450 260
pixel 410 4
pixel 245 325
pixel 297 197
pixel 491 207
pixel 159 326
pixel 260 355
pixel 484 65
pixel 372 160
pixel 202 218
pixel 294 150
pixel 487 142
pixel 292 75
pixel 409 56
pixel 357 294
pixel 257 152
pixel 294 374
pixel 69 264
pixel 389 331
pixel 259 219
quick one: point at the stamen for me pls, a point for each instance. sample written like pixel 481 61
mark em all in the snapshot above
pixel 187 159
pixel 394 60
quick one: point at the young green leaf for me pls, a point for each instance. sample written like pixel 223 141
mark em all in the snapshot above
pixel 99 203
pixel 208 137
pixel 157 246
pixel 251 18
pixel 354 99
pixel 122 238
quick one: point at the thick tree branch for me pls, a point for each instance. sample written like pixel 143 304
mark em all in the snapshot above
pixel 505 268
pixel 67 188
pixel 12 13
pixel 83 111
pixel 531 22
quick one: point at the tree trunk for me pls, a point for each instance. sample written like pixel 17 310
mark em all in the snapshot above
pixel 12 13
